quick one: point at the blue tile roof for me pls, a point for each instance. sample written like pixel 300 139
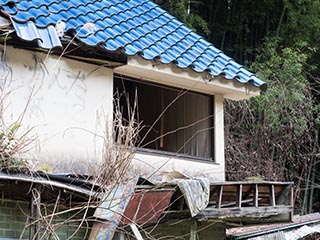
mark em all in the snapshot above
pixel 135 27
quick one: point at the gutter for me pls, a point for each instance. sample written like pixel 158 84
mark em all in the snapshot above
pixel 273 230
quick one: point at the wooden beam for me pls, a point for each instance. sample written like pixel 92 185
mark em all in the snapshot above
pixel 244 212
pixel 253 215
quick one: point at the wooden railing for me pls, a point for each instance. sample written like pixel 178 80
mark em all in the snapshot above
pixel 252 201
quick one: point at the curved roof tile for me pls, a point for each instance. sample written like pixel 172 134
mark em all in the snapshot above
pixel 132 26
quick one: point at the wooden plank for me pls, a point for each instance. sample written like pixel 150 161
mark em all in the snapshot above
pixel 239 196
pixel 251 183
pixel 264 188
pixel 266 214
pixel 230 188
pixel 234 203
pixel 245 212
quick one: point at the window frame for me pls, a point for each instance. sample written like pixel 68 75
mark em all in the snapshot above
pixel 177 155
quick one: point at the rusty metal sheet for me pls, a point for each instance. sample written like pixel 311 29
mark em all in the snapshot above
pixel 147 207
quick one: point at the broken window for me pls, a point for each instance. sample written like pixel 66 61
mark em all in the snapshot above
pixel 174 120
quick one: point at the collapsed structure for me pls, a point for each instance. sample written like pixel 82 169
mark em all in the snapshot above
pixel 63 63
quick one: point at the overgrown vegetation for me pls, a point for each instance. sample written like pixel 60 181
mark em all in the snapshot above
pixel 274 136
pixel 14 139
pixel 120 141
pixel 113 172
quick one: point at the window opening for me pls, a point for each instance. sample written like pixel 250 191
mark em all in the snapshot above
pixel 174 120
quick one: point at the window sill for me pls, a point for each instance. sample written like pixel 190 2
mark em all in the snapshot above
pixel 176 155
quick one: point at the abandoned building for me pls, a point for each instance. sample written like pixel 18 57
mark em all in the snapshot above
pixel 64 63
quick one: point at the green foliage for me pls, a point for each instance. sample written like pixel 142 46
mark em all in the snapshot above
pixel 11 144
pixel 274 136
pixel 45 168
pixel 302 22
pixel 286 100
pixel 186 11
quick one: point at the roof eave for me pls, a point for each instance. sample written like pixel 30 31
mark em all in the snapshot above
pixel 171 75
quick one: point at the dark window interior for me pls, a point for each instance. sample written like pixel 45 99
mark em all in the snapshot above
pixel 173 120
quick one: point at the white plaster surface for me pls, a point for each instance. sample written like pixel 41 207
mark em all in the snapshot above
pixel 186 78
pixel 67 104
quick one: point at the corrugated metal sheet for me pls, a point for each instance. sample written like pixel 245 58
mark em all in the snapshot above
pixel 295 234
pixel 300 227
pixel 111 210
pixel 303 232
pixel 135 27
pixel 272 236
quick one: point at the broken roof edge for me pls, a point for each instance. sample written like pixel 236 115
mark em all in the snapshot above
pixel 45 179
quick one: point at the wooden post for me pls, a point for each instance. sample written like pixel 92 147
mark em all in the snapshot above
pixel 35 213
pixel 239 196
pixel 193 230
pixel 291 201
pixel 219 197
pixel 256 196
pixel 272 196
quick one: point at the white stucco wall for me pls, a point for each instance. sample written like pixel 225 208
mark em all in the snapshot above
pixel 69 102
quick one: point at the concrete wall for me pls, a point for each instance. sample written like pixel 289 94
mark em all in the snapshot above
pixel 13 218
pixel 67 103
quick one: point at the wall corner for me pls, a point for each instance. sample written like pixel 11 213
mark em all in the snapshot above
pixel 219 132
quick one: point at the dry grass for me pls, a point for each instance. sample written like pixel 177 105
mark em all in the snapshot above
pixel 14 138
pixel 119 146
